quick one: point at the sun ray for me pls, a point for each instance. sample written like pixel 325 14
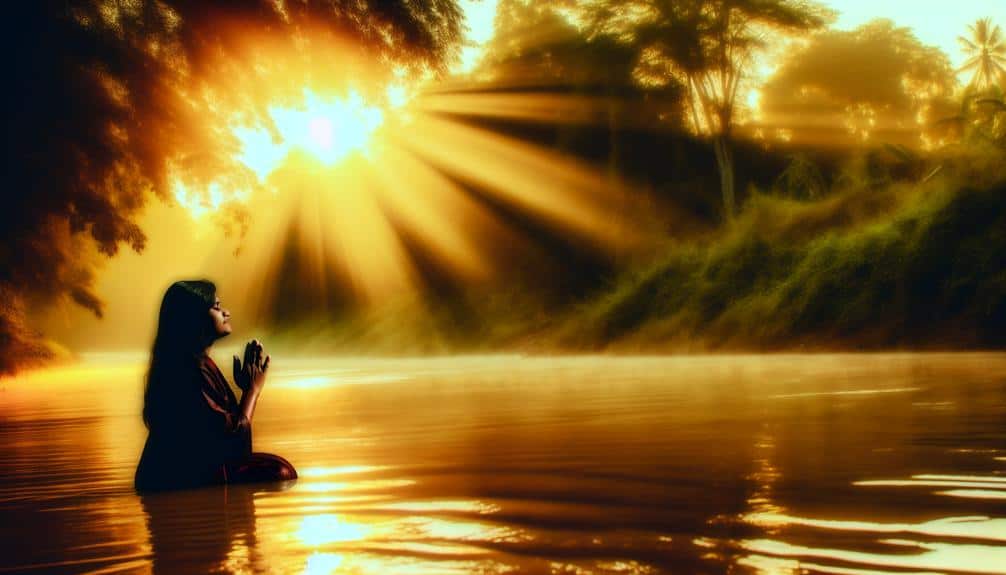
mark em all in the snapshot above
pixel 566 192
pixel 553 108
pixel 362 236
pixel 430 205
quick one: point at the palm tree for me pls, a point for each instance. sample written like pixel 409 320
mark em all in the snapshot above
pixel 986 52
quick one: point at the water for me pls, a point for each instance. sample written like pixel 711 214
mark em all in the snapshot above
pixel 848 464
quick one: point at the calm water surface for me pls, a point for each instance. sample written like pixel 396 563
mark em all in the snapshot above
pixel 846 464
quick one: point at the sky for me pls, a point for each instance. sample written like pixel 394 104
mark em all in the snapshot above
pixel 479 16
pixel 935 22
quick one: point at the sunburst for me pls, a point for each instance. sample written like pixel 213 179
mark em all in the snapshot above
pixel 365 197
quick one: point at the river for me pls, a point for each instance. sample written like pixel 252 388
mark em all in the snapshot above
pixel 776 464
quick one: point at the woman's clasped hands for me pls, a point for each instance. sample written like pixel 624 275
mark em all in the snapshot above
pixel 250 374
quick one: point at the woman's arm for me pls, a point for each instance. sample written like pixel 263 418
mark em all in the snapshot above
pixel 248 400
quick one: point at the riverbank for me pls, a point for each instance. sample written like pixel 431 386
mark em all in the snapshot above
pixel 902 266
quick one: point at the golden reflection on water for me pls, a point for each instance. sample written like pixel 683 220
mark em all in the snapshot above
pixel 962 554
pixel 974 493
pixel 978 527
pixel 845 392
pixel 765 476
pixel 323 563
pixel 428 506
pixel 774 465
pixel 376 529
pixel 957 558
pixel 340 470
pixel 357 543
pixel 363 485
pixel 969 486
pixel 987 484
pixel 321 529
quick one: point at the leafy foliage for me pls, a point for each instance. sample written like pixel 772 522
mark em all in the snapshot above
pixel 116 98
pixel 986 50
pixel 917 265
pixel 706 46
pixel 877 82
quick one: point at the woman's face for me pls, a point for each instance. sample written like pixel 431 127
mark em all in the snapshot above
pixel 221 319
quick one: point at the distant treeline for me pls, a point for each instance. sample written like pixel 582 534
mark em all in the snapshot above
pixel 900 266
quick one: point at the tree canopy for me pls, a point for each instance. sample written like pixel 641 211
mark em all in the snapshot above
pixel 707 46
pixel 113 100
pixel 877 82
pixel 539 57
pixel 986 50
pixel 534 45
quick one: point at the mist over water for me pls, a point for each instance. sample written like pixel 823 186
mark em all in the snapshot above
pixel 854 463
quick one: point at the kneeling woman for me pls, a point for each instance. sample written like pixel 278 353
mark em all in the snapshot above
pixel 199 434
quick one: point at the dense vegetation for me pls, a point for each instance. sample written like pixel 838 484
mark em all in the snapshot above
pixel 872 263
pixel 902 264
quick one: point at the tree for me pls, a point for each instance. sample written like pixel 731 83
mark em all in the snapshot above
pixel 981 118
pixel 986 50
pixel 877 82
pixel 116 100
pixel 707 46
pixel 534 46
pixel 537 52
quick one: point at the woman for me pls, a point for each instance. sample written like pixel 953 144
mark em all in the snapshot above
pixel 199 434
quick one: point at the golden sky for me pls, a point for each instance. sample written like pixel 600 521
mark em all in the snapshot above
pixel 479 17
pixel 935 22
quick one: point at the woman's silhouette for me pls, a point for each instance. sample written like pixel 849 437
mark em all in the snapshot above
pixel 199 434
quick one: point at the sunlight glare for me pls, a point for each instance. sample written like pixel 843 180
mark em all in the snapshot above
pixel 345 469
pixel 320 128
pixel 322 529
pixel 322 563
pixel 398 96
pixel 480 16
pixel 199 204
pixel 329 129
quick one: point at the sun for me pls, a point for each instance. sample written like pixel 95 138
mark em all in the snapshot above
pixel 332 129
pixel 329 129
pixel 320 129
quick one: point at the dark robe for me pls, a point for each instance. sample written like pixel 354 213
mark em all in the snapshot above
pixel 198 436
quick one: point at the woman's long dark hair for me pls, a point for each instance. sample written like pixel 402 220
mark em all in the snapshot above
pixel 182 335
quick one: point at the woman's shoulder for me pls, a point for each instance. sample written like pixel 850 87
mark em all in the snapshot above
pixel 208 367
pixel 211 375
